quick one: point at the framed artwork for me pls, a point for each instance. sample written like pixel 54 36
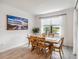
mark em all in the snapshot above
pixel 16 23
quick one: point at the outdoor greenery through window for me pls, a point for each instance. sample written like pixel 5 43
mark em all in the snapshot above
pixel 52 25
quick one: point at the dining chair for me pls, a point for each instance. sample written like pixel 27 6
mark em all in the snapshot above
pixel 34 42
pixel 42 46
pixel 29 42
pixel 51 34
pixel 59 47
pixel 29 39
pixel 43 35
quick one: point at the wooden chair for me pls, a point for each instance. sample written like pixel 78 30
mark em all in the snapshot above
pixel 43 35
pixel 29 39
pixel 58 46
pixel 51 35
pixel 41 39
pixel 43 48
pixel 34 42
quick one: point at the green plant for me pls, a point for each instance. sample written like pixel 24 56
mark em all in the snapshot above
pixel 35 30
pixel 46 29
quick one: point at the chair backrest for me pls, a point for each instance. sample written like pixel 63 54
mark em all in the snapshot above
pixel 33 40
pixel 51 35
pixel 62 40
pixel 41 39
pixel 41 42
pixel 43 35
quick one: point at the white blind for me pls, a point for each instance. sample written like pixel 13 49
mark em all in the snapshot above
pixel 57 20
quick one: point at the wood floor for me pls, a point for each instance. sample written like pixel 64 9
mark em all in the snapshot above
pixel 25 53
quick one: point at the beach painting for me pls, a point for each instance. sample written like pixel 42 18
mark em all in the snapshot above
pixel 16 23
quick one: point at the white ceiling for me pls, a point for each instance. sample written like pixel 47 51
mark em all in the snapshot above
pixel 40 6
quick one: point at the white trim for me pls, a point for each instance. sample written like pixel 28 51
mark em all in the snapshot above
pixel 12 47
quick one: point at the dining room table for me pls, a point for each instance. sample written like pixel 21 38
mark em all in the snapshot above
pixel 49 41
pixel 52 39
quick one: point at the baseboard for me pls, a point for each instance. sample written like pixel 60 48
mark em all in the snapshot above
pixel 12 47
pixel 75 54
pixel 68 46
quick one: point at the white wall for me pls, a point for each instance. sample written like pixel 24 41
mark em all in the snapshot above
pixel 68 25
pixel 75 31
pixel 14 38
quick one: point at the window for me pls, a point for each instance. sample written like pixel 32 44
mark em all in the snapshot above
pixel 52 25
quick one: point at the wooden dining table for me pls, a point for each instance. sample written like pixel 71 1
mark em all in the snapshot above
pixel 52 39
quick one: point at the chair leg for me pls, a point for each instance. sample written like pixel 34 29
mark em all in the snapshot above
pixel 38 51
pixel 50 57
pixel 28 44
pixel 60 54
pixel 32 48
pixel 62 51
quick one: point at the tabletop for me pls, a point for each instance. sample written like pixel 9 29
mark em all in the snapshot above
pixel 53 39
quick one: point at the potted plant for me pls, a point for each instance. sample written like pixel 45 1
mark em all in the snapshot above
pixel 35 30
